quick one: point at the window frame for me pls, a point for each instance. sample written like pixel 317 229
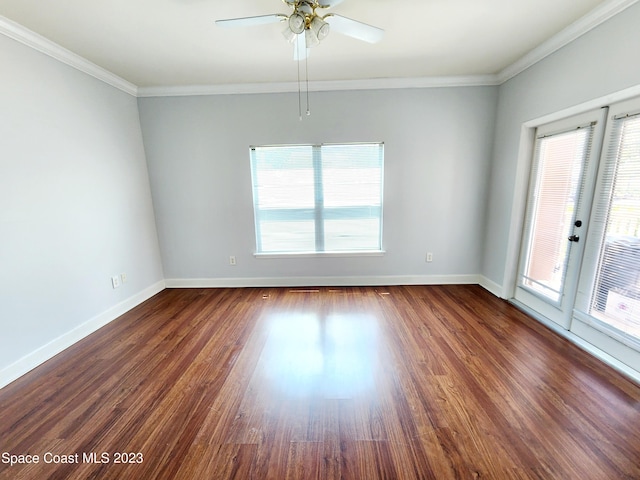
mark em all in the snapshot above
pixel 321 213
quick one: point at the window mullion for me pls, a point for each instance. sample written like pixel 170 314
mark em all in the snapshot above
pixel 319 197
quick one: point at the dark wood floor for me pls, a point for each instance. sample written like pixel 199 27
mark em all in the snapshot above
pixel 356 383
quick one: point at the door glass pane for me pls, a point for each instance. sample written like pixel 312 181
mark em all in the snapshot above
pixel 551 209
pixel 616 296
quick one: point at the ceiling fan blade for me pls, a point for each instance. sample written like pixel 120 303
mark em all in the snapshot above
pixel 300 50
pixel 354 28
pixel 250 21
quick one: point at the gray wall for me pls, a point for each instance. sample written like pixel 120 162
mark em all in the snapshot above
pixel 437 153
pixel 601 62
pixel 75 203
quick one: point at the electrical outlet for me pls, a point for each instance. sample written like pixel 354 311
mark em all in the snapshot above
pixel 115 281
pixel 232 260
pixel 429 257
pixel 123 278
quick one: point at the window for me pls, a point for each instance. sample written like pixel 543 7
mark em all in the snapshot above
pixel 318 198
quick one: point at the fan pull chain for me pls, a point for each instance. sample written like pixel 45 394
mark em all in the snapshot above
pixel 299 93
pixel 306 67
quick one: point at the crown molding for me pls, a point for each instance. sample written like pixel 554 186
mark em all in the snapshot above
pixel 591 20
pixel 320 86
pixel 27 37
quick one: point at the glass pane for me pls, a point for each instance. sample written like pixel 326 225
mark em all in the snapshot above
pixel 283 177
pixel 352 175
pixel 352 234
pixel 551 210
pixel 287 236
pixel 616 298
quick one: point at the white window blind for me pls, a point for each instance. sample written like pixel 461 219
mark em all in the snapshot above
pixel 556 188
pixel 318 198
pixel 615 299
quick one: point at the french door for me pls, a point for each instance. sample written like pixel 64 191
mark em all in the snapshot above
pixel 580 251
pixel 560 195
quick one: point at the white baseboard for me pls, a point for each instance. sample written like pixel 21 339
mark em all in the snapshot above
pixel 340 281
pixel 491 286
pixel 44 353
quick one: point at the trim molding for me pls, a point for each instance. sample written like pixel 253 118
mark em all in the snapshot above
pixel 321 86
pixel 591 20
pixel 46 352
pixel 322 281
pixel 31 39
pixel 491 286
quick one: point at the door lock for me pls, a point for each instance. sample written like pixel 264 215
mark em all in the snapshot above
pixel 574 238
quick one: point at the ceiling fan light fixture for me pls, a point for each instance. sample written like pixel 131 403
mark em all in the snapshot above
pixel 288 34
pixel 311 38
pixel 320 28
pixel 297 23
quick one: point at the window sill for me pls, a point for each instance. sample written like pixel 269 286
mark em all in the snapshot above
pixel 364 253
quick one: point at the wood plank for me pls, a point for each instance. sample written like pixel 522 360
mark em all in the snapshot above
pixel 401 382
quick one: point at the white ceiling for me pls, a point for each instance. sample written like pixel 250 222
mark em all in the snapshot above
pixel 175 42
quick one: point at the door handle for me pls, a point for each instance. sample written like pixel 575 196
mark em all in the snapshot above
pixel 574 238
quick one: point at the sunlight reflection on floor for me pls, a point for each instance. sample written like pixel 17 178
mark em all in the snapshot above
pixel 332 356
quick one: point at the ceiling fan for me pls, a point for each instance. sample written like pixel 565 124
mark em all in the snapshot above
pixel 306 28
